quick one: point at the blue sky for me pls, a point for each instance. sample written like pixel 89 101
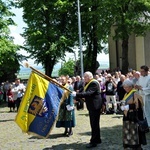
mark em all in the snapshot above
pixel 17 30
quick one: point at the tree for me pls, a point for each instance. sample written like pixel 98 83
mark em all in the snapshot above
pixel 53 30
pixel 48 34
pixel 9 59
pixel 67 68
pixel 129 16
pixel 94 32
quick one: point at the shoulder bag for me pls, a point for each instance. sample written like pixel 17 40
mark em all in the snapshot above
pixel 143 125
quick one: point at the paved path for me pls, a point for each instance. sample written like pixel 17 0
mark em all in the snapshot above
pixel 12 138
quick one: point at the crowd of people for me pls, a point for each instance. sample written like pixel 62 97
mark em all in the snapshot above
pixel 12 93
pixel 112 93
pixel 103 93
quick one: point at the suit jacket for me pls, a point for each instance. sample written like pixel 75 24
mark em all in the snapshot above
pixel 92 96
pixel 78 85
pixel 120 90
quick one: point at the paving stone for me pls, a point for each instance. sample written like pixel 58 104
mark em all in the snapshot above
pixel 12 138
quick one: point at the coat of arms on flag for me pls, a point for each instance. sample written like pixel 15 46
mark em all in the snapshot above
pixel 38 107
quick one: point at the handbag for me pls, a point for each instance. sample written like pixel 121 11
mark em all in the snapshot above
pixel 143 125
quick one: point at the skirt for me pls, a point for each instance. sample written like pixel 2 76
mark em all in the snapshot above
pixel 130 135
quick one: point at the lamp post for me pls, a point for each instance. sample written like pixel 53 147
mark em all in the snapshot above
pixel 75 64
pixel 80 39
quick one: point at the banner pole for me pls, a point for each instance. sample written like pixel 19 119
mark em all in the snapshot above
pixel 46 77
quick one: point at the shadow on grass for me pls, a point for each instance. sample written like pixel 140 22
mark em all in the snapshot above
pixel 52 136
pixel 111 140
pixel 6 120
pixel 6 112
pixel 72 146
pixel 84 114
pixel 118 116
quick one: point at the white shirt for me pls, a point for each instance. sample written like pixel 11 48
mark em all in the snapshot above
pixel 144 82
pixel 18 91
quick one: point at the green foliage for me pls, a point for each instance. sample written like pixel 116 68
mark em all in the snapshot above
pixel 95 30
pixel 48 35
pixel 9 59
pixel 52 27
pixel 53 30
pixel 67 68
pixel 130 17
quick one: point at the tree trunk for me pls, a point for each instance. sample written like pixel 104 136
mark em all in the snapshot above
pixel 49 64
pixel 91 56
pixel 125 63
pixel 95 39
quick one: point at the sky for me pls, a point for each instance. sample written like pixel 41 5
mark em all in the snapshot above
pixel 18 39
pixel 17 30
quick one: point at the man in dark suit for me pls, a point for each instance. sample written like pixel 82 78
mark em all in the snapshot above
pixel 78 87
pixel 120 90
pixel 93 101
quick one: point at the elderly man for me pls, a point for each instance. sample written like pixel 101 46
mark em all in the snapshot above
pixel 93 100
pixel 137 75
pixel 120 90
pixel 143 86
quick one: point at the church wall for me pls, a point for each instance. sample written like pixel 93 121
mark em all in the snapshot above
pixel 138 52
pixel 112 50
pixel 131 52
pixel 147 49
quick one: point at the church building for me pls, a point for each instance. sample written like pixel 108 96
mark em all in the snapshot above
pixel 138 52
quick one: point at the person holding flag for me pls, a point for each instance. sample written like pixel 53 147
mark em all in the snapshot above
pixel 66 116
pixel 40 105
pixel 92 95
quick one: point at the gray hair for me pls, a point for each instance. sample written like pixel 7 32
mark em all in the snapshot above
pixel 89 74
pixel 128 82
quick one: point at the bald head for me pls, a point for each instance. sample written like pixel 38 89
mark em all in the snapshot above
pixel 88 76
pixel 122 77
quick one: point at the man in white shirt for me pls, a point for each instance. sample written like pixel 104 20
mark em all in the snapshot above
pixel 143 86
pixel 18 90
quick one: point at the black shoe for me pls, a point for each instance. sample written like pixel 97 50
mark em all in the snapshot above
pixel 90 145
pixel 69 134
pixel 99 142
pixel 108 112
